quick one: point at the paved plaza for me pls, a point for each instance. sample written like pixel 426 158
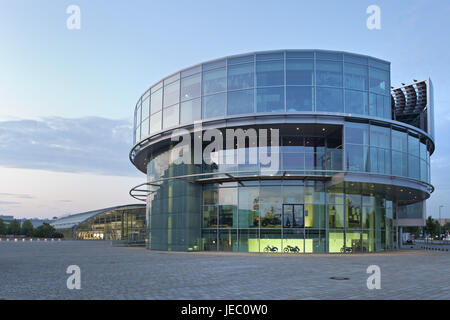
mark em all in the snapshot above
pixel 37 270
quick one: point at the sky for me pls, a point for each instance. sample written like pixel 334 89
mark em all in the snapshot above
pixel 67 96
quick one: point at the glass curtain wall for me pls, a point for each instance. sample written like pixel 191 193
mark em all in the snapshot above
pixel 293 216
pixel 284 81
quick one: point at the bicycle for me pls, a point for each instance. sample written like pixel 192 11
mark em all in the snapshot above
pixel 292 249
pixel 270 249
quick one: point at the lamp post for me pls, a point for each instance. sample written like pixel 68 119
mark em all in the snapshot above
pixel 441 206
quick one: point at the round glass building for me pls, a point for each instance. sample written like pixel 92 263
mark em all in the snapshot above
pixel 299 151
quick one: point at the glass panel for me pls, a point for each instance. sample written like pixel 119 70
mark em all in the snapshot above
pixel 423 151
pixel 191 87
pixel 171 79
pixel 138 115
pixel 241 76
pixel 214 106
pixel 387 107
pixel 357 157
pixel 399 141
pixel 190 111
pixel 399 163
pixel 356 76
pixel 210 196
pixel 145 108
pixel 380 160
pixel 227 216
pixel 248 207
pixel 270 73
pixel 328 55
pixel 355 59
pixel 248 240
pixel 413 145
pixel 191 71
pixel 209 217
pixel 270 99
pixel 356 102
pixel 228 240
pixel 379 81
pixel 170 116
pixel 156 101
pixel 299 99
pixel 299 54
pixel 329 73
pixel 144 128
pixel 414 167
pixel 357 133
pixel 269 56
pixel 214 65
pixel 138 134
pixel 241 102
pixel 329 99
pixel 155 122
pixel 373 104
pixel 270 207
pixel 243 59
pixel 336 216
pixel 156 87
pixel 380 136
pixel 214 81
pixel 172 93
pixel 379 64
pixel 300 72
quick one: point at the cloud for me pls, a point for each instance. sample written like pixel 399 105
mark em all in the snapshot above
pixel 17 195
pixel 9 202
pixel 90 144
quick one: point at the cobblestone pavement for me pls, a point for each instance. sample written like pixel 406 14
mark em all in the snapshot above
pixel 37 270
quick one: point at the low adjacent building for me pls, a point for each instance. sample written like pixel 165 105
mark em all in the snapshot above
pixel 123 223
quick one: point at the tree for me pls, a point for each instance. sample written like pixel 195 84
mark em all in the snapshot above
pixel 14 227
pixel 46 231
pixel 413 230
pixel 27 228
pixel 432 227
pixel 3 227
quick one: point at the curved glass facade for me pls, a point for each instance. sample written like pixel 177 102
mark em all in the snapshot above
pixel 281 82
pixel 342 175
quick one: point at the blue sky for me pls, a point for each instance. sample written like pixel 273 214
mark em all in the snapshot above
pixel 58 85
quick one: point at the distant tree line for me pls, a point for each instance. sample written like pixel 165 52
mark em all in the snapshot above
pixel 431 229
pixel 27 229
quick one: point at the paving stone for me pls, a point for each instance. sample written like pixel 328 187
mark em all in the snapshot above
pixel 37 270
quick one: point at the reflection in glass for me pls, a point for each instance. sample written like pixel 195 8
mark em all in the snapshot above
pixel 191 87
pixel 300 72
pixel 214 106
pixel 270 73
pixel 241 76
pixel 356 102
pixel 170 116
pixel 299 99
pixel 214 81
pixel 329 73
pixel 270 99
pixel 190 111
pixel 240 102
pixel 379 81
pixel 329 99
pixel 155 122
pixel 356 76
pixel 156 101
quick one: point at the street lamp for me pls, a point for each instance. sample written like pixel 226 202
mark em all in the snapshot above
pixel 441 206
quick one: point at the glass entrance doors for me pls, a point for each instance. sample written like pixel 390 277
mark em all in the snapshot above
pixel 293 216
